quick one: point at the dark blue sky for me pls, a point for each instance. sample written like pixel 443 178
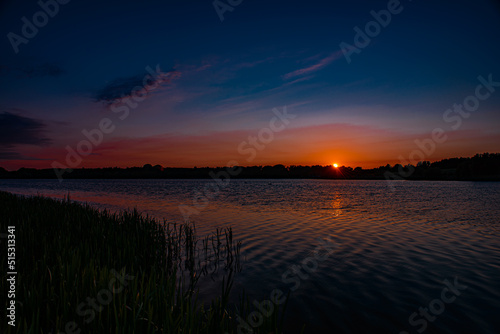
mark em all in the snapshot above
pixel 225 77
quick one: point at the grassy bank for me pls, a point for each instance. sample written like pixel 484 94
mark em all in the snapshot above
pixel 81 270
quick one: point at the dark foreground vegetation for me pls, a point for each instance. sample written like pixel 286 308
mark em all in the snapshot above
pixel 481 167
pixel 81 270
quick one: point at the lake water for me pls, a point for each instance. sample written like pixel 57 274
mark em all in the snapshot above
pixel 391 248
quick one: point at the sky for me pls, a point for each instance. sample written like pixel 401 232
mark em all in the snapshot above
pixel 226 82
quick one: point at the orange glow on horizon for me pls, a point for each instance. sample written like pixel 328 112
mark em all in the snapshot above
pixel 355 146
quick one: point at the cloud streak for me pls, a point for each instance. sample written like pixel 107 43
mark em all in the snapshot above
pixel 316 67
pixel 120 88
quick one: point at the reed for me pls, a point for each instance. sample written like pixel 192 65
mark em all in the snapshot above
pixel 69 255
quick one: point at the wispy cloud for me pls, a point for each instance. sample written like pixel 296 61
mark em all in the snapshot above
pixel 120 88
pixel 309 77
pixel 250 64
pixel 315 67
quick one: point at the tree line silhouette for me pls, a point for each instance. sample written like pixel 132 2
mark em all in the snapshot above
pixel 485 166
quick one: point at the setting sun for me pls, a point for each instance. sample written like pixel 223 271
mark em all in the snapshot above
pixel 335 165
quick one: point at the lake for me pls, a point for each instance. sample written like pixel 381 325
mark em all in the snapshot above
pixel 360 256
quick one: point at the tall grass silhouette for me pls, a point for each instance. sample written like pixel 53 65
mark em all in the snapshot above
pixel 67 253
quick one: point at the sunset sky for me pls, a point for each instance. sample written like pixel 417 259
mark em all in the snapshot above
pixel 223 81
